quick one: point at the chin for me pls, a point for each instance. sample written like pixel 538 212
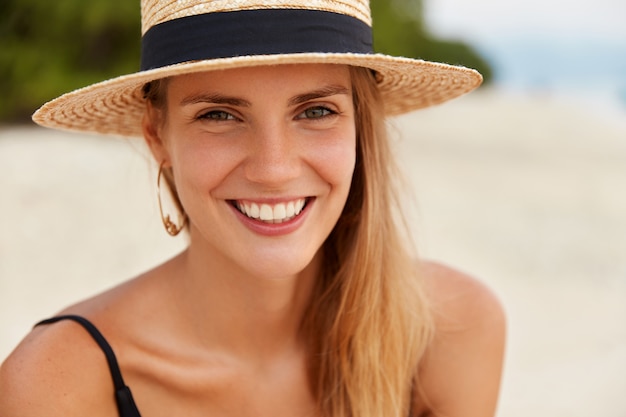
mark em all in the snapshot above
pixel 284 267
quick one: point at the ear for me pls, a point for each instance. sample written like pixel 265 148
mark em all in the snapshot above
pixel 152 126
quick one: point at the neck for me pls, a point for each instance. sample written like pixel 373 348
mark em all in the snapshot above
pixel 228 308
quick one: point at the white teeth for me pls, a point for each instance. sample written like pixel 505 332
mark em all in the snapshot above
pixel 276 213
pixel 266 213
pixel 280 211
pixel 254 211
pixel 290 210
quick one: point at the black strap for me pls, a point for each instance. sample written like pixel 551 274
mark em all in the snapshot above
pixel 253 32
pixel 123 397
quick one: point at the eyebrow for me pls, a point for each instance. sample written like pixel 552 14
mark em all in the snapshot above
pixel 217 98
pixel 214 98
pixel 326 91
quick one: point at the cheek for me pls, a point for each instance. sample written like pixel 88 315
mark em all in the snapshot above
pixel 335 160
pixel 202 165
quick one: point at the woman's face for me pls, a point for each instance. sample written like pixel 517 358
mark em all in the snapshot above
pixel 262 160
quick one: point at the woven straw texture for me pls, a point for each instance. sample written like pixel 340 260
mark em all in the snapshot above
pixel 116 106
pixel 154 12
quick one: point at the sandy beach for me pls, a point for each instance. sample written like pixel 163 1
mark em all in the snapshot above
pixel 524 192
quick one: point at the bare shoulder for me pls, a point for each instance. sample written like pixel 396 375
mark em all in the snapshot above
pixel 57 370
pixel 459 299
pixel 461 371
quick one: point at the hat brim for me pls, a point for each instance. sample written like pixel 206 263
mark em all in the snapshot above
pixel 116 106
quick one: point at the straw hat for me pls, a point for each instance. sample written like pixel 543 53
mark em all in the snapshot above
pixel 184 36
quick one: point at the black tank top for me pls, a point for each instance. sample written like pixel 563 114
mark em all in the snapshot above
pixel 125 403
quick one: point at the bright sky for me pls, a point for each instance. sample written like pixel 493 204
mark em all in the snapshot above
pixel 477 19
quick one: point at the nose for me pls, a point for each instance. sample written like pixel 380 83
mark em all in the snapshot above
pixel 273 158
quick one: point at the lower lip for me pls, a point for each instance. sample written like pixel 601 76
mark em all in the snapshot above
pixel 274 229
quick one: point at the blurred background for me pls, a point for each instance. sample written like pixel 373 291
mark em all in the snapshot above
pixel 520 183
pixel 49 48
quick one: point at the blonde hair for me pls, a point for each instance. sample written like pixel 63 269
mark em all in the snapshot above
pixel 368 322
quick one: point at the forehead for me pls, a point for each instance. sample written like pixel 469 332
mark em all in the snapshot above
pixel 285 76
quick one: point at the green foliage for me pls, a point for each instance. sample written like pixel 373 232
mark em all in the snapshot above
pixel 399 30
pixel 49 47
pixel 52 47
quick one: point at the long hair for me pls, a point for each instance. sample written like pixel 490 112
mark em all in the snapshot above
pixel 368 323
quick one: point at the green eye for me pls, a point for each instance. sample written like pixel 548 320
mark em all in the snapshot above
pixel 217 115
pixel 315 113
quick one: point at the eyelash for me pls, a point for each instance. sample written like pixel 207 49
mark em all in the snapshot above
pixel 326 112
pixel 223 115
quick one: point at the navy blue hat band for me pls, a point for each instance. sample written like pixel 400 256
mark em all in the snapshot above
pixel 252 32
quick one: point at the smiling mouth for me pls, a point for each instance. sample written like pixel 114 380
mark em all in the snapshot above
pixel 271 213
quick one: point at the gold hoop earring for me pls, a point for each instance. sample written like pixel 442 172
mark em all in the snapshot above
pixel 170 227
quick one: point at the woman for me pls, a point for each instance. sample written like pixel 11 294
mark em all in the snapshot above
pixel 296 295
